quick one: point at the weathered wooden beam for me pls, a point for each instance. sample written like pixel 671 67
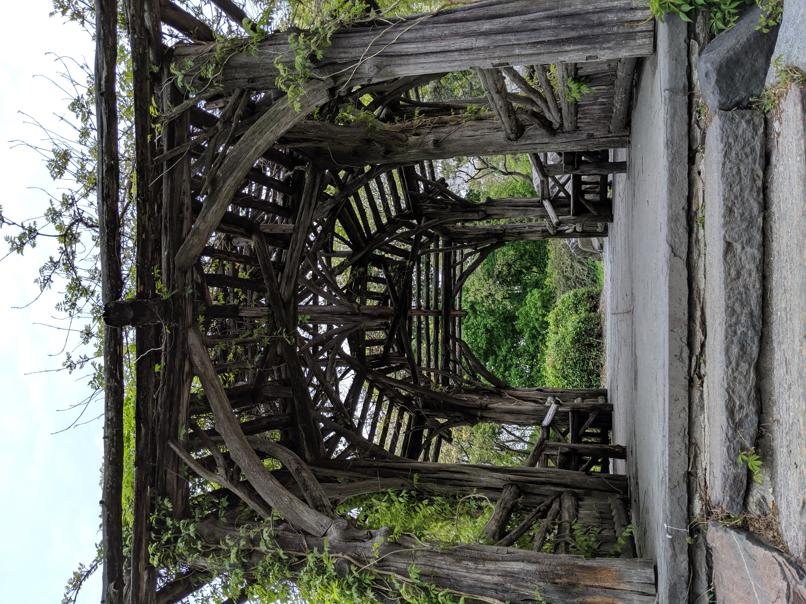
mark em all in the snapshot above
pixel 175 376
pixel 485 34
pixel 515 76
pixel 548 93
pixel 622 90
pixel 442 138
pixel 562 97
pixel 234 12
pixel 480 572
pixel 586 225
pixel 496 88
pixel 497 524
pixel 145 39
pixel 310 436
pixel 108 166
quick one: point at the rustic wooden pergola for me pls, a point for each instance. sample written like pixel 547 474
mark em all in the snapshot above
pixel 310 275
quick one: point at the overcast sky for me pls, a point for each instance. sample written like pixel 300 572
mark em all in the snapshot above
pixel 49 484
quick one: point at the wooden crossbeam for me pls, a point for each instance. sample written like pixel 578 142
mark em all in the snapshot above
pixel 487 35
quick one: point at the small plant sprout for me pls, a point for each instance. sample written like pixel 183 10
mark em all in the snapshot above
pixel 753 462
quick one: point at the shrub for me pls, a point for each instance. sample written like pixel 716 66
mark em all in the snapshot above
pixel 573 357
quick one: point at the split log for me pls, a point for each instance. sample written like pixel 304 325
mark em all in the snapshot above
pixel 545 526
pixel 486 34
pixel 496 88
pixel 497 524
pixel 443 138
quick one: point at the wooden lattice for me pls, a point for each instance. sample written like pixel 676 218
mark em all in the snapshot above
pixel 311 273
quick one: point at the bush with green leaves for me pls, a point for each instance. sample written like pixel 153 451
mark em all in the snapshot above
pixel 574 344
pixel 722 14
pixel 440 519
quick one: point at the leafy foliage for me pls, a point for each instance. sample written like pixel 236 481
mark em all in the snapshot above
pixel 722 14
pixel 430 519
pixel 576 89
pixel 507 300
pixel 753 462
pixel 574 343
pixel 786 76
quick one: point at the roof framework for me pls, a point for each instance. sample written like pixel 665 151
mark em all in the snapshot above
pixel 310 276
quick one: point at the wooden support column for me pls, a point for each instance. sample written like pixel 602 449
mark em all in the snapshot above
pixel 144 35
pixel 106 46
pixel 174 393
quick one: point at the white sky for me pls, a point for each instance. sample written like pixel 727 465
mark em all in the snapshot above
pixel 49 484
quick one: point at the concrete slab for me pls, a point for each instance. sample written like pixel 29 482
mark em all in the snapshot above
pixel 647 311
pixel 782 363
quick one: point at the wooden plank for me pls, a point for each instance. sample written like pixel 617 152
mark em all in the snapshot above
pixel 621 94
pixel 486 34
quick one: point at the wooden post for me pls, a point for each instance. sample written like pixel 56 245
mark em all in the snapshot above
pixel 106 46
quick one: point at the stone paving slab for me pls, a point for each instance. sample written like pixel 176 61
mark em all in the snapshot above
pixel 734 205
pixel 782 364
pixel 747 571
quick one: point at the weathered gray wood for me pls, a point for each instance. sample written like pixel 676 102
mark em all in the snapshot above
pixel 541 102
pixel 484 571
pixel 443 138
pixel 497 524
pixel 183 21
pixel 621 94
pixel 620 524
pixel 546 525
pixel 144 39
pixel 520 530
pixel 270 490
pixel 568 515
pixel 496 88
pixel 486 34
pixel 239 160
pixel 548 92
pixel 451 479
pixel 310 487
pixel 310 437
pixel 108 166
